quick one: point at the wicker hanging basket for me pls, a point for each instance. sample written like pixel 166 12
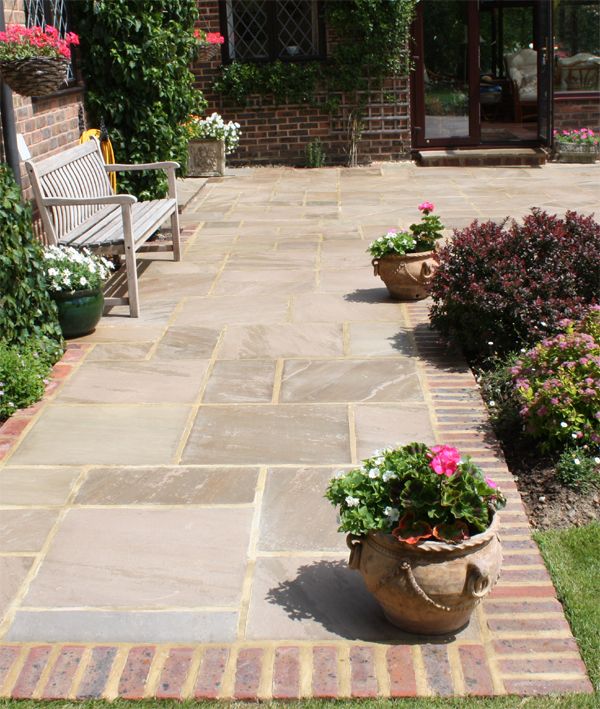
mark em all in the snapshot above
pixel 207 52
pixel 36 76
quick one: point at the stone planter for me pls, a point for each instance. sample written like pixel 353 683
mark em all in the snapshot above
pixel 574 153
pixel 79 311
pixel 406 277
pixel 206 158
pixel 430 588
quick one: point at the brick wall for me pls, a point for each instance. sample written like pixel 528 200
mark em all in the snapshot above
pixel 280 133
pixel 48 124
pixel 577 112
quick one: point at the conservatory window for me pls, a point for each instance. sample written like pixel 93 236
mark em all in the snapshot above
pixel 577 45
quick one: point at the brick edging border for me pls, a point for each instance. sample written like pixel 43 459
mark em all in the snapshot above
pixel 527 647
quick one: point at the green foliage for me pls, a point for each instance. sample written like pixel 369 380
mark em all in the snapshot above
pixel 23 370
pixel 429 490
pixel 419 237
pixel 372 44
pixel 315 155
pixel 498 391
pixel 557 384
pixel 574 563
pixel 396 243
pixel 135 58
pixel 578 470
pixel 26 308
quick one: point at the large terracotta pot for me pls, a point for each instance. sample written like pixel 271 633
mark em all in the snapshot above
pixel 408 276
pixel 429 588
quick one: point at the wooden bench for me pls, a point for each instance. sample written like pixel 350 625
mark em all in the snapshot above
pixel 78 208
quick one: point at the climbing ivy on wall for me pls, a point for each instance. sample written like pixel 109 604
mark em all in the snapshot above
pixel 372 44
pixel 135 59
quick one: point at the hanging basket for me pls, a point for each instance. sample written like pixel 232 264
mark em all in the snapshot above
pixel 207 52
pixel 36 76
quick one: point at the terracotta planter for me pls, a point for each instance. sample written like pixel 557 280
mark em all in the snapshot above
pixel 206 158
pixel 36 76
pixel 79 311
pixel 406 277
pixel 573 153
pixel 429 588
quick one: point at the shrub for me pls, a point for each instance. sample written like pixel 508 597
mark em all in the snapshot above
pixel 26 309
pixel 135 59
pixel 23 371
pixel 558 385
pixel 498 390
pixel 512 284
pixel 578 470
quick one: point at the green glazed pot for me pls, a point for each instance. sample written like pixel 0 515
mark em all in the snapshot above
pixel 79 311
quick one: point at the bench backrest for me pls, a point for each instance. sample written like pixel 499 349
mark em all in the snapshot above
pixel 76 172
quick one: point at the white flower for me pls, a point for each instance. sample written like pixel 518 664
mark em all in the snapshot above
pixel 379 460
pixel 492 403
pixel 339 475
pixel 392 513
pixel 53 271
pixel 83 280
pixel 576 461
pixel 563 424
pixel 388 475
pixel 490 343
pixel 374 473
pixel 597 461
pixel 543 324
pixel 352 501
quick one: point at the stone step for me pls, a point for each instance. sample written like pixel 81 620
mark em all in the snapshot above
pixel 482 157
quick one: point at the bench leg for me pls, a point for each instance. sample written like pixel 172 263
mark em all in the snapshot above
pixel 132 282
pixel 176 236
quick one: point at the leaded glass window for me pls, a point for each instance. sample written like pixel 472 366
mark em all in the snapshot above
pixel 273 29
pixel 48 12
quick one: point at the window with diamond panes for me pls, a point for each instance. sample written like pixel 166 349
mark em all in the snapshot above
pixel 48 12
pixel 272 29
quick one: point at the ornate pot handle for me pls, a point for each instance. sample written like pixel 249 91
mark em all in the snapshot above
pixel 355 545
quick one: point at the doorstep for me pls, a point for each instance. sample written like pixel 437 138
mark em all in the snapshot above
pixel 482 157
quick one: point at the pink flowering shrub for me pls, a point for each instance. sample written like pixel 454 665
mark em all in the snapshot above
pixel 20 42
pixel 499 286
pixel 557 385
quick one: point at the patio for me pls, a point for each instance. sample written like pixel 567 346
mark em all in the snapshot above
pixel 163 525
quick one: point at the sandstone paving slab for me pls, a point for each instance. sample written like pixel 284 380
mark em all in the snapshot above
pixel 13 570
pixel 359 306
pixel 25 530
pixel 111 331
pixel 193 279
pixel 217 311
pixel 187 342
pixel 36 486
pixel 119 351
pixel 382 425
pixel 282 340
pixel 259 282
pixel 152 312
pixel 123 626
pixel 274 260
pixel 144 559
pixel 103 435
pixel 380 340
pixel 319 599
pixel 285 524
pixel 240 381
pixel 135 382
pixel 350 380
pixel 168 485
pixel 348 280
pixel 254 435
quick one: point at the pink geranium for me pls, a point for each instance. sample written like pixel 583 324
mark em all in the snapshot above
pixel 490 483
pixel 426 207
pixel 445 461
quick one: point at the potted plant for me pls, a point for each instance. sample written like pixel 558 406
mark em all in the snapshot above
pixel 405 259
pixel 34 60
pixel 75 279
pixel 208 44
pixel 576 146
pixel 210 140
pixel 423 532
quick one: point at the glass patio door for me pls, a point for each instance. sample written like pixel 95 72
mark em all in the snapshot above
pixel 446 79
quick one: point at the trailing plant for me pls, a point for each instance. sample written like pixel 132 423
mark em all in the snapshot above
pixel 419 237
pixel 557 384
pixel 27 311
pixel 416 493
pixel 68 269
pixel 372 39
pixel 135 59
pixel 509 285
pixel 23 375
pixel 315 155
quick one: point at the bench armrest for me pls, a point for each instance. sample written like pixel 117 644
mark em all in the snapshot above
pixel 118 199
pixel 167 165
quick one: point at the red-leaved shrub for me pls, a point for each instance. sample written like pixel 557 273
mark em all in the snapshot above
pixel 511 284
